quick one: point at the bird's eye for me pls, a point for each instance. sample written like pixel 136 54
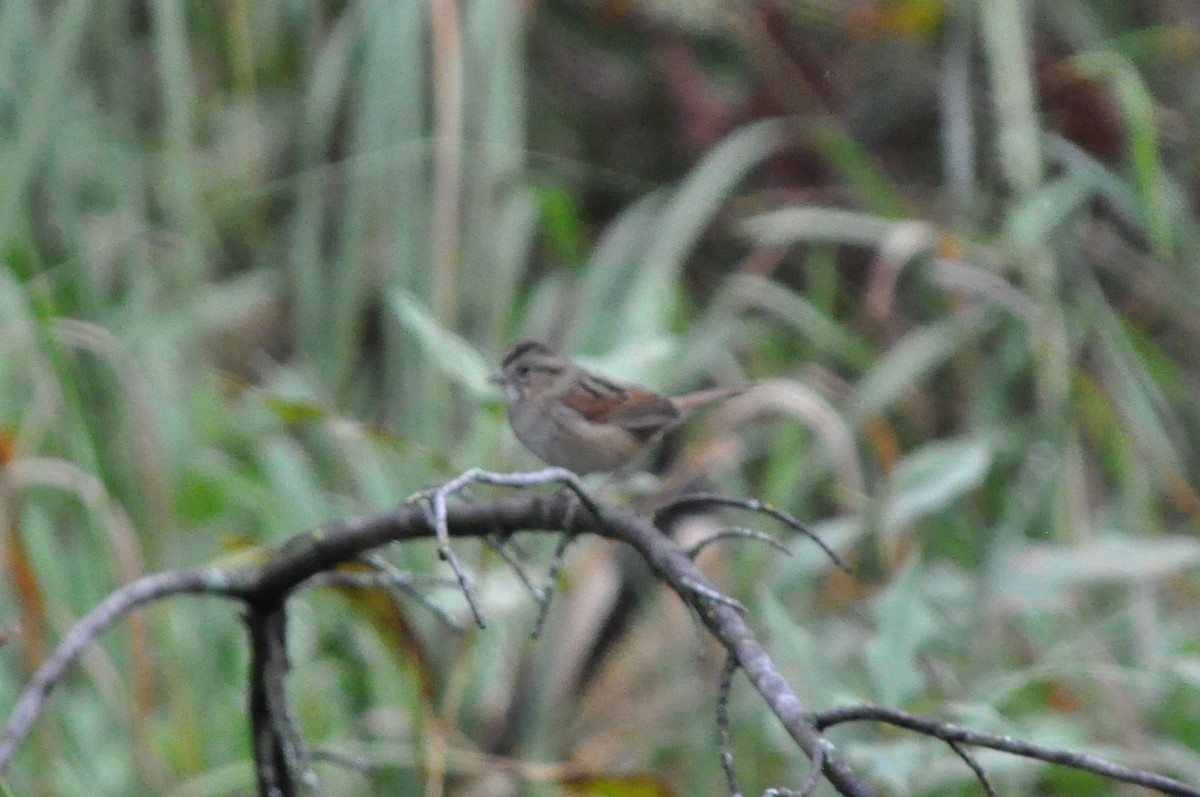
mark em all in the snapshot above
pixel 524 370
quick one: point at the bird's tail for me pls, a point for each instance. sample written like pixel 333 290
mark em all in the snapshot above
pixel 690 401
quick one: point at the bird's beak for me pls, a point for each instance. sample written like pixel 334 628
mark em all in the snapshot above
pixel 496 378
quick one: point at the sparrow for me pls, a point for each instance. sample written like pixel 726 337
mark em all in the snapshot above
pixel 583 421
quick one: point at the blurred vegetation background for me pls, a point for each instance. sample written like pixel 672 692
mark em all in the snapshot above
pixel 257 259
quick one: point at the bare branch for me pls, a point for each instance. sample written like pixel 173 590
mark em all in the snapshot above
pixel 750 505
pixel 970 761
pixel 679 572
pixel 816 761
pixel 703 591
pixel 437 518
pixel 280 755
pixel 146 589
pixel 737 533
pixel 355 763
pixel 958 734
pixel 724 737
pixel 501 549
pixel 269 584
pixel 725 742
pixel 390 579
pixel 437 497
pixel 556 564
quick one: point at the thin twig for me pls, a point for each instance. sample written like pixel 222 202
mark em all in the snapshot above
pixel 701 590
pixel 521 479
pixel 437 519
pixel 724 737
pixel 725 743
pixel 556 564
pixel 949 732
pixel 106 613
pixel 287 727
pixel 737 532
pixel 391 581
pixel 501 548
pixel 406 583
pixel 510 541
pixel 542 596
pixel 816 763
pixel 752 505
pixel 355 763
pixel 399 579
pixel 438 497
pixel 970 761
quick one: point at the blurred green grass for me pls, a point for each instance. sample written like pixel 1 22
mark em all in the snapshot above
pixel 259 256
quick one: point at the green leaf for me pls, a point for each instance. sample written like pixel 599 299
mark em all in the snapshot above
pixel 904 366
pixel 688 214
pixel 1041 572
pixel 447 351
pixel 295 483
pixel 745 292
pixel 595 785
pixel 1041 217
pixel 802 661
pixel 1141 119
pixel 606 277
pixel 561 223
pixel 931 478
pixel 905 625
pixel 787 226
pixel 295 411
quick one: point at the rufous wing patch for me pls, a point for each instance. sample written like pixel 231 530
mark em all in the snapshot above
pixel 633 408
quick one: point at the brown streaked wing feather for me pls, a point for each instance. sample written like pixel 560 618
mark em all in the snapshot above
pixel 630 407
pixel 595 397
pixel 645 414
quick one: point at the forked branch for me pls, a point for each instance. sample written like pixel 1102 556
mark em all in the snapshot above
pixel 263 590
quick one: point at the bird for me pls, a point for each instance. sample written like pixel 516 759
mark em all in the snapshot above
pixel 581 420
